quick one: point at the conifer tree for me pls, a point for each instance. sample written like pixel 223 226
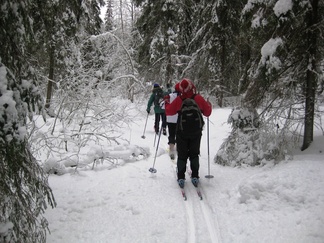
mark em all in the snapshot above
pixel 109 21
pixel 215 47
pixel 24 189
pixel 286 53
pixel 291 50
pixel 59 26
pixel 158 26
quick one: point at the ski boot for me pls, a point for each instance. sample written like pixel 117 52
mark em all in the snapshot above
pixel 195 181
pixel 181 183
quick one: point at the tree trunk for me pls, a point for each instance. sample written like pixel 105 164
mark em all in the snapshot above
pixel 169 69
pixel 50 80
pixel 311 78
pixel 245 64
pixel 223 73
pixel 121 18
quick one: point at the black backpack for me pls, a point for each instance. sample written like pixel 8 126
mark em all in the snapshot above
pixel 190 119
pixel 158 97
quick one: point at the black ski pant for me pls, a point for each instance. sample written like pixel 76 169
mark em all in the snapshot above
pixel 158 117
pixel 188 147
pixel 172 128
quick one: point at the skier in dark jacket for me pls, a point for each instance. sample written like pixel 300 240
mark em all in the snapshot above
pixel 188 141
pixel 156 98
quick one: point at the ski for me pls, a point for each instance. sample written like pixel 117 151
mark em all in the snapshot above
pixel 199 193
pixel 181 185
pixel 183 193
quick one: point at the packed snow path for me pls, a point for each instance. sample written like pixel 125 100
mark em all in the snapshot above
pixel 201 227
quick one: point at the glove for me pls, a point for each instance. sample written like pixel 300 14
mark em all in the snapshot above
pixel 148 111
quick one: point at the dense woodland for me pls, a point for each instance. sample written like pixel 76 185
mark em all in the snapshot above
pixel 55 57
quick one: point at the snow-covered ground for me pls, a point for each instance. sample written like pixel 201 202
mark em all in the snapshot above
pixel 127 203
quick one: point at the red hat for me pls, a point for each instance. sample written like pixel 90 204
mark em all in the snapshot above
pixel 177 87
pixel 185 86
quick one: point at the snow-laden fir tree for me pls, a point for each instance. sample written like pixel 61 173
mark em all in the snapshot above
pixel 282 79
pixel 158 29
pixel 24 189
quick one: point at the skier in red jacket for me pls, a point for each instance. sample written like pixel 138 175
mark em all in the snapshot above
pixel 188 138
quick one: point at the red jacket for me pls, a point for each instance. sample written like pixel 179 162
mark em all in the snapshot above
pixel 175 106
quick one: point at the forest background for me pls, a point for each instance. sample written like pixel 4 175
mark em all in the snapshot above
pixel 263 57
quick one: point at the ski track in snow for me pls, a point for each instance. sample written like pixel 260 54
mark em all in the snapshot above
pixel 204 225
pixel 191 222
pixel 191 229
pixel 212 224
pixel 198 214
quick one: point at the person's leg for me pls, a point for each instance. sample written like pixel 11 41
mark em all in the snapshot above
pixel 157 122
pixel 171 139
pixel 164 123
pixel 172 132
pixel 182 149
pixel 194 151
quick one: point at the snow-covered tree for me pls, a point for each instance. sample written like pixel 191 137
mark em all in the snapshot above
pixel 215 47
pixel 109 18
pixel 286 52
pixel 158 28
pixel 291 51
pixel 251 142
pixel 24 189
pixel 58 28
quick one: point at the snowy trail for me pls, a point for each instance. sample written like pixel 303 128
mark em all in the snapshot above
pixel 207 230
pixel 191 229
pixel 198 216
pixel 201 223
pixel 205 211
pixel 212 224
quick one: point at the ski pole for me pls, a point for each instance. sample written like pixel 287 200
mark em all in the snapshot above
pixel 209 175
pixel 152 169
pixel 145 126
pixel 154 140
